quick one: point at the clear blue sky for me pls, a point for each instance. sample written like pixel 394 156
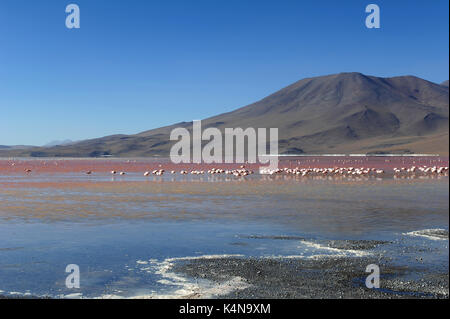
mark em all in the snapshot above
pixel 136 65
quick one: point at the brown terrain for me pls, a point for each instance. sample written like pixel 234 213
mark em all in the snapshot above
pixel 340 113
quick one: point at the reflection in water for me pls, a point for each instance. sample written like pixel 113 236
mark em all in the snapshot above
pixel 347 205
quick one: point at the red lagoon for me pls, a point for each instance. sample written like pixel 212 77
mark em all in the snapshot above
pixel 47 165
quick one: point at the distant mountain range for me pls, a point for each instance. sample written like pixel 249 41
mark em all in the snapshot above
pixel 14 147
pixel 22 147
pixel 58 143
pixel 339 113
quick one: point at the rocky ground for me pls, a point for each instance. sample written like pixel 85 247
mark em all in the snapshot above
pixel 324 277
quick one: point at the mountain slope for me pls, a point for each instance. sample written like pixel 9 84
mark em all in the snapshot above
pixel 339 113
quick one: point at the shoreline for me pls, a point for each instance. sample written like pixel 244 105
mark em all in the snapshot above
pixel 336 271
pixel 326 277
pixel 338 276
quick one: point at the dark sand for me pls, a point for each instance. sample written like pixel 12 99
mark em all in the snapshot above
pixel 324 277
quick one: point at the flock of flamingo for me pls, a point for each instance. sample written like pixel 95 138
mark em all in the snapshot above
pixel 361 171
pixel 335 171
pixel 242 171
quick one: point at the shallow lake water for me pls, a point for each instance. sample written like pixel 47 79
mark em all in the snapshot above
pixel 120 230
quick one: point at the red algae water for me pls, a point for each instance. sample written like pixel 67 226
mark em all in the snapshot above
pixel 55 165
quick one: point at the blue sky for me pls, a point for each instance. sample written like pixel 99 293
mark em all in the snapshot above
pixel 136 65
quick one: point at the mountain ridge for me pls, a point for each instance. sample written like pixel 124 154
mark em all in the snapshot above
pixel 347 112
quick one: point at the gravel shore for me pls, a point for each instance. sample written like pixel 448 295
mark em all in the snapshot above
pixel 323 277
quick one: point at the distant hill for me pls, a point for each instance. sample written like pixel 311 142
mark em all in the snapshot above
pixel 15 147
pixel 58 143
pixel 445 83
pixel 339 113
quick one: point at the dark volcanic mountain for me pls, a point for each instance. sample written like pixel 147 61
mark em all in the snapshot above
pixel 340 113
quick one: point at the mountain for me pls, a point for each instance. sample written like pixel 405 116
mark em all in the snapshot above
pixel 58 143
pixel 339 113
pixel 15 147
pixel 445 83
